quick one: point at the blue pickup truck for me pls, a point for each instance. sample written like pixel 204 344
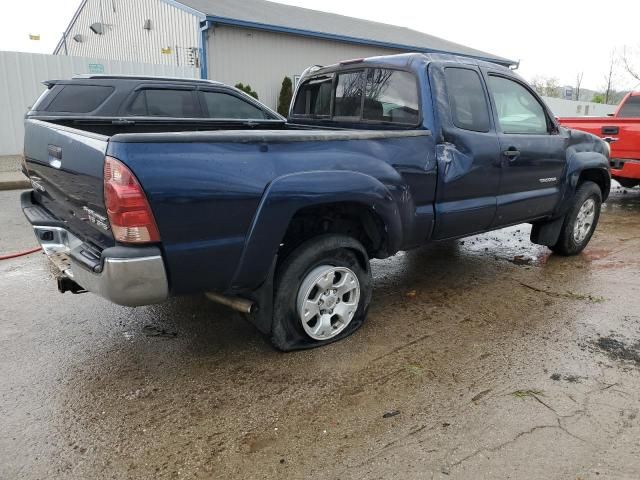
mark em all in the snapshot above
pixel 279 219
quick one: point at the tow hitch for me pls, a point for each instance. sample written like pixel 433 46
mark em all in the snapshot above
pixel 65 284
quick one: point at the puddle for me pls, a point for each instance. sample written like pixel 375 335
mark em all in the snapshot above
pixel 511 244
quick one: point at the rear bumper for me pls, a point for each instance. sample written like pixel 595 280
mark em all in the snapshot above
pixel 625 169
pixel 130 276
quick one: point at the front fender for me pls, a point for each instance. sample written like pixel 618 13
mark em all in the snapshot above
pixel 290 193
pixel 585 152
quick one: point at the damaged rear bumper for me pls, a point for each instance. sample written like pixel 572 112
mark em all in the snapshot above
pixel 130 276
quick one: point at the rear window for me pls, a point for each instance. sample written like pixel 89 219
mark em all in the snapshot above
pixel 79 98
pixel 314 98
pixel 368 95
pixel 223 105
pixel 348 100
pixel 631 108
pixel 391 96
pixel 164 103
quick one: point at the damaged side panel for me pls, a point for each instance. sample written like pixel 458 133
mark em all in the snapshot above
pixel 468 159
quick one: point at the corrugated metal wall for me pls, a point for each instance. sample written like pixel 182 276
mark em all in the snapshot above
pixel 573 108
pixel 21 76
pixel 262 59
pixel 126 39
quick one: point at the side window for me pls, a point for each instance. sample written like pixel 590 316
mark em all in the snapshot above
pixel 467 100
pixel 164 103
pixel 631 108
pixel 518 110
pixel 223 105
pixel 79 98
pixel 139 105
pixel 391 96
pixel 314 98
pixel 348 103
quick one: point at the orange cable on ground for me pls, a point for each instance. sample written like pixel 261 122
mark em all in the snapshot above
pixel 19 254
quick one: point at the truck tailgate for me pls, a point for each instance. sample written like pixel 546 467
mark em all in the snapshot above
pixel 626 131
pixel 65 167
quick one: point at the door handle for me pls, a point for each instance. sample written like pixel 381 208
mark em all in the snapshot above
pixel 511 153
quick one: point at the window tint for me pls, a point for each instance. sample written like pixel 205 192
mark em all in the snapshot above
pixel 469 109
pixel 224 105
pixel 391 96
pixel 164 103
pixel 631 108
pixel 314 98
pixel 348 101
pixel 139 105
pixel 518 110
pixel 79 98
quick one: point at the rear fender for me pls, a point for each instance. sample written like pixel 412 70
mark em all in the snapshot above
pixel 288 194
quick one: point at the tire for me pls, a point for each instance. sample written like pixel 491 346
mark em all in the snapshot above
pixel 341 265
pixel 575 233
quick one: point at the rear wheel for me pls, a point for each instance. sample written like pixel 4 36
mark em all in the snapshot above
pixel 322 293
pixel 581 220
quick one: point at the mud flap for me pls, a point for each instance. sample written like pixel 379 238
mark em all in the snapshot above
pixel 547 233
pixel 262 319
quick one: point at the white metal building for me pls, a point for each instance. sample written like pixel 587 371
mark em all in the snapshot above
pixel 255 42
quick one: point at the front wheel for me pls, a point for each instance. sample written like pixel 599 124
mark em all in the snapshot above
pixel 322 293
pixel 581 220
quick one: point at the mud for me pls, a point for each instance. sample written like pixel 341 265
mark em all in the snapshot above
pixel 470 365
pixel 617 349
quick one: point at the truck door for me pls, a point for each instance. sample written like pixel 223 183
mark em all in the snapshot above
pixel 468 152
pixel 532 151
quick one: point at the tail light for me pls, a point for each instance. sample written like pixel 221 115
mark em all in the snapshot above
pixel 129 212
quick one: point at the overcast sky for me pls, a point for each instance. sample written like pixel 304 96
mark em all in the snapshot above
pixel 550 38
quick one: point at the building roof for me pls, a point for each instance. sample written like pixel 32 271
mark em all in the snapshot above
pixel 266 15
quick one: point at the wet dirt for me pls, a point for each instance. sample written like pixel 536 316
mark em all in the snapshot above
pixel 470 365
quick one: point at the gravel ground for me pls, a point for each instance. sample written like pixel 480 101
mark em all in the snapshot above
pixel 481 358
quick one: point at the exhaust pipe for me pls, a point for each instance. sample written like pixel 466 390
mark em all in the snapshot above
pixel 238 304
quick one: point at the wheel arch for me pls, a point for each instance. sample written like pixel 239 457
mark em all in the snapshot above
pixel 582 167
pixel 599 176
pixel 301 195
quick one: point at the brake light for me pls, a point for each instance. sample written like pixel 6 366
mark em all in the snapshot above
pixel 127 207
pixel 352 61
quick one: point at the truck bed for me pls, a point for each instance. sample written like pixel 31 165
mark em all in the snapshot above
pixel 192 177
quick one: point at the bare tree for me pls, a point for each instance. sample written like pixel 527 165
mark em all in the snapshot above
pixel 538 84
pixel 546 86
pixel 609 78
pixel 578 84
pixel 629 66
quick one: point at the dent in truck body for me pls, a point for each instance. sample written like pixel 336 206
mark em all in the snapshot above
pixel 585 153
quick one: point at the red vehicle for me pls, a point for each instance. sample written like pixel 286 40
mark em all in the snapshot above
pixel 622 130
